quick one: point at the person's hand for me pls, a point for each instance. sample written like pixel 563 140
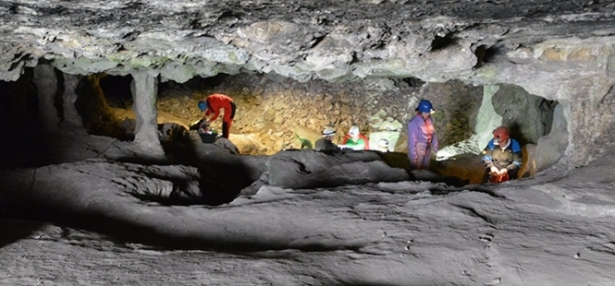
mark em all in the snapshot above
pixel 495 171
pixel 503 172
pixel 345 147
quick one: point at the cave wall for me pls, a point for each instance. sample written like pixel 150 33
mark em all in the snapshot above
pixel 549 149
pixel 93 109
pixel 591 121
pixel 540 130
pixel 563 53
pixel 528 116
pixel 456 105
pixel 578 73
pixel 18 100
pixel 273 108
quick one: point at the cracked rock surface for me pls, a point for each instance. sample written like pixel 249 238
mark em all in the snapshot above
pixel 387 233
pixel 300 39
pixel 94 211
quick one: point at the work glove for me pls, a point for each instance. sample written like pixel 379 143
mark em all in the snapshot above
pixel 502 172
pixel 494 170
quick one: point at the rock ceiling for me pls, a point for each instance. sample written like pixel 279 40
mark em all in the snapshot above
pixel 433 40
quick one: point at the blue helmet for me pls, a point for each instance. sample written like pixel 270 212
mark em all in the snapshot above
pixel 424 106
pixel 202 105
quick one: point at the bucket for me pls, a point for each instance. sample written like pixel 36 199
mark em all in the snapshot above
pixel 208 136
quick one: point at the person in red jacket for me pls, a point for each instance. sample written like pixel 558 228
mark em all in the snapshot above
pixel 212 105
pixel 355 140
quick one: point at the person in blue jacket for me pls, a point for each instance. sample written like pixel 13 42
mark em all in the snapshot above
pixel 502 157
pixel 422 138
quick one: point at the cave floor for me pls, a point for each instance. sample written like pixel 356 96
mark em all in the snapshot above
pixel 553 229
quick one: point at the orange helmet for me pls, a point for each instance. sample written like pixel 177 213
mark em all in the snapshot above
pixel 501 134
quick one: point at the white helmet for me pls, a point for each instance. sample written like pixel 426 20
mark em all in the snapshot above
pixel 354 131
pixel 328 132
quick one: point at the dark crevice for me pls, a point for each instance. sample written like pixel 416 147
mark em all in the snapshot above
pixel 134 5
pixel 131 36
pixel 58 100
pixel 440 43
pixel 229 15
pixel 484 54
pixel 317 41
pixel 117 90
pixel 355 59
pixel 413 82
pixel 302 167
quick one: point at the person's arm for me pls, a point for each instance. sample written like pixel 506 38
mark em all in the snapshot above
pixel 434 143
pixel 366 145
pixel 215 110
pixel 345 140
pixel 488 159
pixel 412 140
pixel 334 147
pixel 486 156
pixel 206 114
pixel 330 146
pixel 517 156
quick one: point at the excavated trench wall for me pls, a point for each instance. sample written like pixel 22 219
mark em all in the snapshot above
pixel 274 109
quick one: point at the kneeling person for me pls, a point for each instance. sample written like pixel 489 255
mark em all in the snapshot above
pixel 355 140
pixel 325 143
pixel 502 157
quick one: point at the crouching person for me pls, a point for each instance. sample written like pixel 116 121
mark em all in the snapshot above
pixel 502 157
pixel 355 140
pixel 326 142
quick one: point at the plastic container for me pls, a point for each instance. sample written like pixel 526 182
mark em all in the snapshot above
pixel 208 136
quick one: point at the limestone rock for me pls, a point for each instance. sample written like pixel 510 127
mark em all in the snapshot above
pixel 310 169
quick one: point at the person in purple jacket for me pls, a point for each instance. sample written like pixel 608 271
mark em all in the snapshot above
pixel 421 136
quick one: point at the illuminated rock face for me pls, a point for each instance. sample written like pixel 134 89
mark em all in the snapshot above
pixel 558 50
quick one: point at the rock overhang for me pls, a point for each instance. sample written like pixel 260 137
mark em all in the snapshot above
pixel 338 40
